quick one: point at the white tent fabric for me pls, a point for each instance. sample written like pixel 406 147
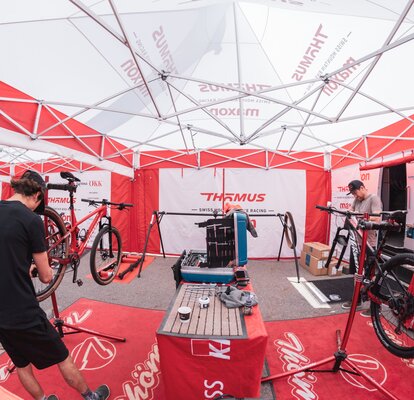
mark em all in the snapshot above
pixel 286 77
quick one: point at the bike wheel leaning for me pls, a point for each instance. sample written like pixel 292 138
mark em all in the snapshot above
pixel 106 254
pixel 57 250
pixel 290 230
pixel 393 314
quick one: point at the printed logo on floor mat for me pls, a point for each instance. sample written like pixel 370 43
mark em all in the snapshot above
pixel 4 370
pixel 409 362
pixel 93 353
pixel 291 354
pixel 146 377
pixel 76 318
pixel 369 365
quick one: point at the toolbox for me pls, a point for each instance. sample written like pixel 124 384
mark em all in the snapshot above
pixel 226 249
pixel 194 268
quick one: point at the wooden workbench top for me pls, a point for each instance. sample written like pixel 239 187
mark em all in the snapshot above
pixel 216 321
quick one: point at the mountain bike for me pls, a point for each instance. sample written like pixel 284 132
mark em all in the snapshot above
pixel 67 242
pixel 392 299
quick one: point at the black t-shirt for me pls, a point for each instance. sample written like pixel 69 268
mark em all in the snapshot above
pixel 21 234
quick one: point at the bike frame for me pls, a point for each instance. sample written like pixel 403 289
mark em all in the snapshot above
pixel 78 245
pixel 356 239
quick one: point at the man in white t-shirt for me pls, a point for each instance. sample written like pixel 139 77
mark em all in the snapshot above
pixel 364 202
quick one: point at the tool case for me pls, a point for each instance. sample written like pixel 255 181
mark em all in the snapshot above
pixel 226 248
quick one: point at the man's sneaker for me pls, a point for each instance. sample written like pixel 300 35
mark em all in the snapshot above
pixel 347 305
pixel 366 313
pixel 52 397
pixel 102 392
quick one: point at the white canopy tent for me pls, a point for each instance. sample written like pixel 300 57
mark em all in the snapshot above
pixel 298 79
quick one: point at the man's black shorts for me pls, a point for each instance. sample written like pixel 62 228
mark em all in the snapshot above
pixel 40 345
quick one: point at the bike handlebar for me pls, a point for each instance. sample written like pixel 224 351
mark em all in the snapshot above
pixel 390 224
pixel 347 213
pixel 106 202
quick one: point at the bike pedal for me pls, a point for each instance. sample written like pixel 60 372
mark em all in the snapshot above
pixel 79 282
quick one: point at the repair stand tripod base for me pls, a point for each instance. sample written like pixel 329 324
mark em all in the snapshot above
pixel 341 355
pixel 59 323
pixel 338 359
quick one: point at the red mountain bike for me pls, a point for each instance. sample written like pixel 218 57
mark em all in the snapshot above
pixel 392 299
pixel 67 242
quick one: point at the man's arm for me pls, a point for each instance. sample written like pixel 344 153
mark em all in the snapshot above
pixel 42 264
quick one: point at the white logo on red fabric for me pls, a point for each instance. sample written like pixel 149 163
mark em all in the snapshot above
pixel 146 377
pixel 211 348
pixel 4 370
pixel 370 366
pixel 291 354
pixel 93 353
pixel 213 389
pixel 76 318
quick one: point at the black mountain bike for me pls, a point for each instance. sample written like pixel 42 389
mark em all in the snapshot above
pixel 392 299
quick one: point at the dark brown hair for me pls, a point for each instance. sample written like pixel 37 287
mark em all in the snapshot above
pixel 27 187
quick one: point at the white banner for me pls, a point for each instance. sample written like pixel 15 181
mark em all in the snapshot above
pixel 93 185
pixel 256 191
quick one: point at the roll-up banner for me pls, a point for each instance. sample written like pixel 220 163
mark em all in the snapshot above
pixel 258 192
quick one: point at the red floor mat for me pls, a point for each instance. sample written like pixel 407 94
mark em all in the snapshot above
pixel 297 343
pixel 131 368
pixel 133 274
pixel 130 276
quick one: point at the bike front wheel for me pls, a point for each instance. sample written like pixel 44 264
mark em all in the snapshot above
pixel 55 230
pixel 106 254
pixel 393 309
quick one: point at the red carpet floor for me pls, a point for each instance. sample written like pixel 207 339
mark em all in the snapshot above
pixel 294 344
pixel 133 274
pixel 130 276
pixel 131 368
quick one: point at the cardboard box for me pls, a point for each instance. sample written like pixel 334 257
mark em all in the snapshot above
pixel 317 250
pixel 332 270
pixel 312 264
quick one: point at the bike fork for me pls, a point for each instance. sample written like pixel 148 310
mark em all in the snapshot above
pixel 109 224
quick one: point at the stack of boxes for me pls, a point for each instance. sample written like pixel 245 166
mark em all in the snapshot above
pixel 313 259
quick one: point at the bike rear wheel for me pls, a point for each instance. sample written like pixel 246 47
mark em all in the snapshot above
pixel 56 249
pixel 106 254
pixel 393 315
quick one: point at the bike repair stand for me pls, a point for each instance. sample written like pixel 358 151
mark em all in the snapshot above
pixel 59 323
pixel 155 218
pixel 340 356
pixel 293 247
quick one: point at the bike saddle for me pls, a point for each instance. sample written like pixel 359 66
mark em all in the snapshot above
pixel 69 176
pixel 397 215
